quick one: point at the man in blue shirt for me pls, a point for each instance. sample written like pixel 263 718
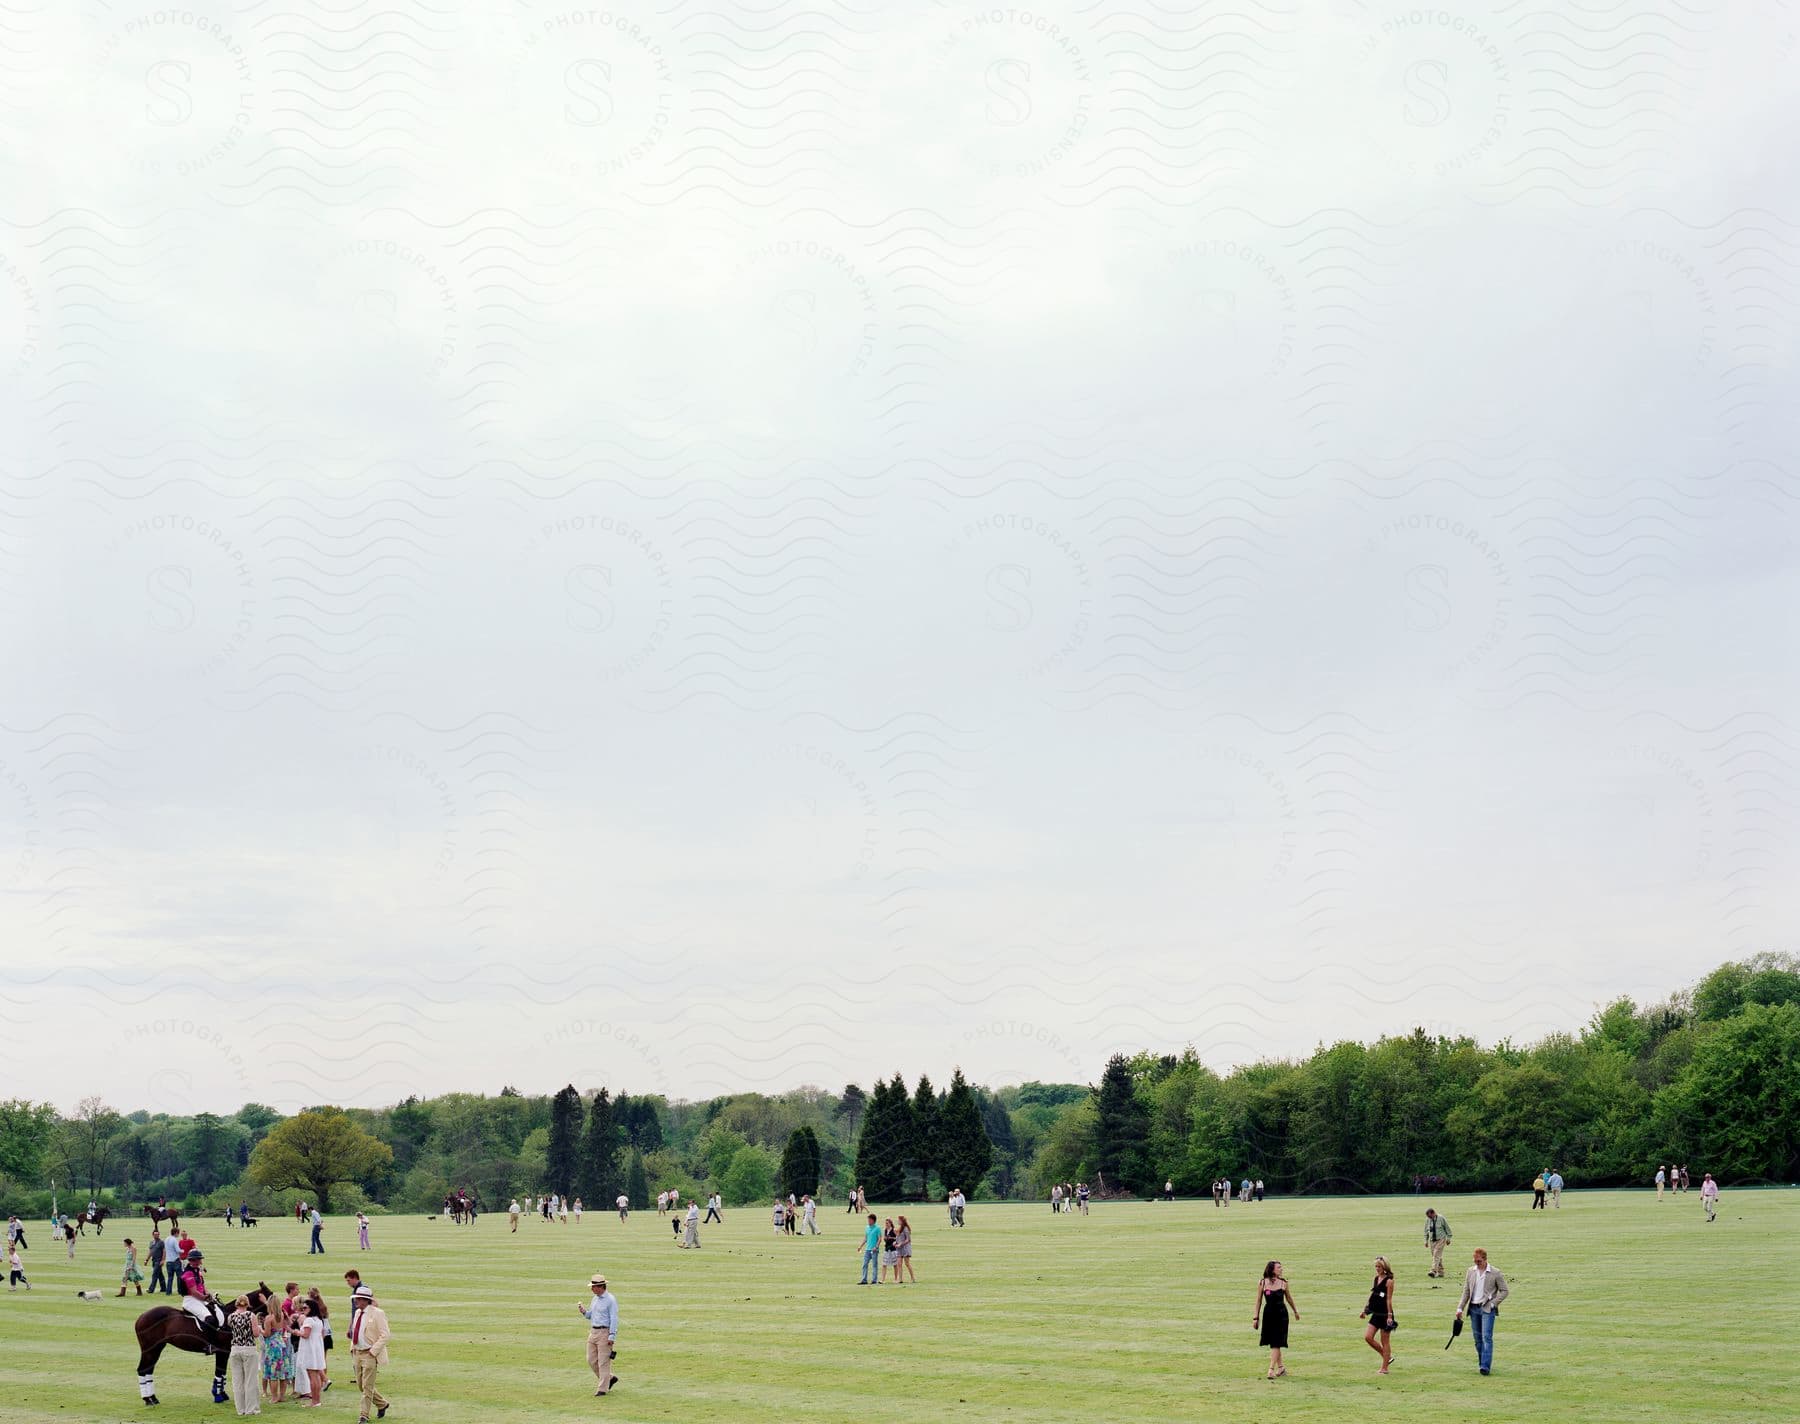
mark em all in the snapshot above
pixel 603 1333
pixel 318 1222
pixel 1554 1182
pixel 871 1272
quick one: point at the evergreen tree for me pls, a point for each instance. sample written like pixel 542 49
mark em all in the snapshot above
pixel 881 1147
pixel 852 1103
pixel 1124 1130
pixel 815 1160
pixel 597 1177
pixel 637 1185
pixel 639 1123
pixel 563 1154
pixel 965 1152
pixel 795 1172
pixel 924 1153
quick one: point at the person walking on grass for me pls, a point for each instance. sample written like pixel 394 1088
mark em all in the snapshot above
pixel 1484 1289
pixel 369 1336
pixel 713 1205
pixel 1437 1237
pixel 1555 1182
pixel 780 1209
pixel 1661 1178
pixel 602 1312
pixel 1274 1302
pixel 1379 1312
pixel 1709 1197
pixel 133 1276
pixel 890 1250
pixel 809 1212
pixel 16 1264
pixel 578 1211
pixel 903 1245
pixel 362 1231
pixel 1539 1188
pixel 690 1233
pixel 317 1247
pixel 871 1248
pixel 154 1250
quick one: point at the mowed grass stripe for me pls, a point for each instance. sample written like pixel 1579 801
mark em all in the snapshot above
pixel 1622 1309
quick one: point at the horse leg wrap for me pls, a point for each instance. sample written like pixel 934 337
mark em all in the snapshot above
pixel 146 1388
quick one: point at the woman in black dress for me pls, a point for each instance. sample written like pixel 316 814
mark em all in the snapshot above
pixel 1379 1312
pixel 1273 1302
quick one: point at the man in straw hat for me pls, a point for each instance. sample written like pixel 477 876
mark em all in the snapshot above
pixel 369 1336
pixel 602 1314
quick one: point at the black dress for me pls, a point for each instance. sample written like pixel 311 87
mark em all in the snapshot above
pixel 1378 1305
pixel 1274 1320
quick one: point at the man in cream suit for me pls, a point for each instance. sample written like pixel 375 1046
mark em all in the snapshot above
pixel 1484 1289
pixel 369 1336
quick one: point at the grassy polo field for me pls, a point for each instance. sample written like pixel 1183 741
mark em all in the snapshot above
pixel 1622 1308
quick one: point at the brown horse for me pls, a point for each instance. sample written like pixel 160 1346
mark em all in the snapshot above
pixel 95 1218
pixel 164 1327
pixel 160 1214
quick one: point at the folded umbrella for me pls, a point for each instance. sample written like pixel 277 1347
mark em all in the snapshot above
pixel 1455 1330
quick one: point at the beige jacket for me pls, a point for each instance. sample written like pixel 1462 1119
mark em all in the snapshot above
pixel 369 1329
pixel 1497 1291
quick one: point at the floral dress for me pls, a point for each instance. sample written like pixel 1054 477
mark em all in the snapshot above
pixel 277 1356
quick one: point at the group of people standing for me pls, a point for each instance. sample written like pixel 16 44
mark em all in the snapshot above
pixel 1067 1198
pixel 1484 1291
pixel 287 1346
pixel 886 1246
pixel 1247 1190
pixel 551 1208
pixel 790 1215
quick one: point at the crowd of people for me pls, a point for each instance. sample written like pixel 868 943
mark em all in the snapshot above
pixel 280 1350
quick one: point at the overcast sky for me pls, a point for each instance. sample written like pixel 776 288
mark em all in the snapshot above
pixel 702 547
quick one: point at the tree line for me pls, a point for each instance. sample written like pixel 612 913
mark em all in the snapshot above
pixel 1709 1076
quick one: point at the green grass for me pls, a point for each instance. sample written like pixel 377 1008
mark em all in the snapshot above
pixel 1621 1309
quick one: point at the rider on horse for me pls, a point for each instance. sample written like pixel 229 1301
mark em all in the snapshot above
pixel 194 1297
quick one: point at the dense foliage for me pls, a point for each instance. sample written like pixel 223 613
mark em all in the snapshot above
pixel 1709 1077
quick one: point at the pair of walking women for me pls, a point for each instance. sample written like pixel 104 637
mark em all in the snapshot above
pixel 1275 1304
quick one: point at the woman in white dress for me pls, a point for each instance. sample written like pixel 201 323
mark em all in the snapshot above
pixel 309 1361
